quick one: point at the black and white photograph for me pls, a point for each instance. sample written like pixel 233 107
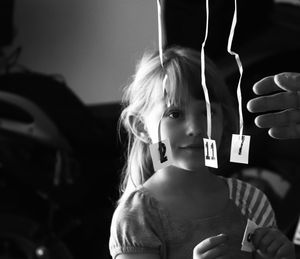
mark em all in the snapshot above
pixel 150 129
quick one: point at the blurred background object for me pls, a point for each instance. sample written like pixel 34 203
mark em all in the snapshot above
pixel 60 153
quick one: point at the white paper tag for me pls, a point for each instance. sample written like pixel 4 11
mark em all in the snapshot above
pixel 247 244
pixel 240 145
pixel 161 154
pixel 296 239
pixel 210 153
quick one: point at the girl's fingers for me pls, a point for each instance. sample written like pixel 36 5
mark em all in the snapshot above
pixel 219 251
pixel 259 235
pixel 274 246
pixel 273 243
pixel 286 251
pixel 210 243
pixel 266 241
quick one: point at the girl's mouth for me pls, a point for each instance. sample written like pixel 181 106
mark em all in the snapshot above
pixel 193 146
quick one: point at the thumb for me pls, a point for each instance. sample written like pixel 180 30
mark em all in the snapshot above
pixel 288 81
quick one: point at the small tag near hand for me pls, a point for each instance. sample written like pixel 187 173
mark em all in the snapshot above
pixel 210 153
pixel 296 239
pixel 161 154
pixel 240 145
pixel 247 244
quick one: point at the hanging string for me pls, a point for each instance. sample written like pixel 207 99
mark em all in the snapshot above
pixel 160 49
pixel 239 63
pixel 160 43
pixel 203 80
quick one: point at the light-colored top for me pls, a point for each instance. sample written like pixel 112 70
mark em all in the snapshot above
pixel 140 224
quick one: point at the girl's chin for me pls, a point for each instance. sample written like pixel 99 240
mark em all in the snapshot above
pixel 191 165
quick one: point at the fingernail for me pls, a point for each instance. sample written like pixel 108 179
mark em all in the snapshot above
pixel 223 235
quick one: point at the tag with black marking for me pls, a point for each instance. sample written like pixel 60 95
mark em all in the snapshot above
pixel 210 153
pixel 161 154
pixel 296 239
pixel 247 244
pixel 240 145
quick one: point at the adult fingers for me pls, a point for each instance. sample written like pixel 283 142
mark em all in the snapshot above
pixel 210 243
pixel 278 119
pixel 288 81
pixel 287 132
pixel 279 101
pixel 265 86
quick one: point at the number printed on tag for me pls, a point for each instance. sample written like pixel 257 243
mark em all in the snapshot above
pixel 161 154
pixel 210 153
pixel 240 145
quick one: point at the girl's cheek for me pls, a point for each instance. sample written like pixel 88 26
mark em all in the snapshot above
pixel 170 129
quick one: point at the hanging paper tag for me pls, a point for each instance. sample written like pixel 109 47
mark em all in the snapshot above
pixel 240 145
pixel 210 153
pixel 247 244
pixel 161 154
pixel 296 239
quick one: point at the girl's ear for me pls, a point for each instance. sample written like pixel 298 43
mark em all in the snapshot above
pixel 138 128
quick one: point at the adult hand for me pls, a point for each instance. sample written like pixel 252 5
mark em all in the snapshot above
pixel 271 243
pixel 212 247
pixel 282 108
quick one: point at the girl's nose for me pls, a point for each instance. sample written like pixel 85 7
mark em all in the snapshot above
pixel 195 125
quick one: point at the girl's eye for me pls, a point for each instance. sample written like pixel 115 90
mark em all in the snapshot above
pixel 173 114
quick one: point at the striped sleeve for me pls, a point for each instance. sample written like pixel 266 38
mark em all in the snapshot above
pixel 252 202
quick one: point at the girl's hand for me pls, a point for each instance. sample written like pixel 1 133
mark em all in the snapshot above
pixel 212 247
pixel 271 243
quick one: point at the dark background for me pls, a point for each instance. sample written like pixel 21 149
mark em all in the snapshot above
pixel 57 198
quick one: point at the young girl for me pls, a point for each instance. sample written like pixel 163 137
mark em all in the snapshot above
pixel 184 210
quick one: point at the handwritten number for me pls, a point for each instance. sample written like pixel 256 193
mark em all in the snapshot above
pixel 242 143
pixel 207 151
pixel 162 152
pixel 213 151
pixel 208 157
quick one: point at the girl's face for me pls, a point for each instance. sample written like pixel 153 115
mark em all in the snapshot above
pixel 185 127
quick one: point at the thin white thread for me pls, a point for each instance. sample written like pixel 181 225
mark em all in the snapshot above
pixel 160 45
pixel 239 63
pixel 203 80
pixel 160 49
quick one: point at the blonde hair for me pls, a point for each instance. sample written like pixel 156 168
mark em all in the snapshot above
pixel 182 66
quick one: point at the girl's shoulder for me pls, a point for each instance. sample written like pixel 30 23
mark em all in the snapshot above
pixel 136 225
pixel 137 198
pixel 137 204
pixel 251 201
